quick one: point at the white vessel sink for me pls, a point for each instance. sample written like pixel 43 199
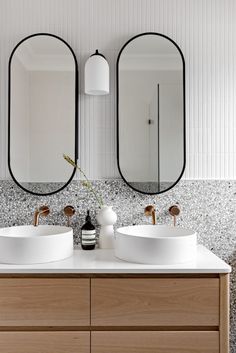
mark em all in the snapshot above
pixel 155 244
pixel 29 244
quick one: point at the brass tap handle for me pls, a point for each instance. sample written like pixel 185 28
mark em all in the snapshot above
pixel 44 211
pixel 150 211
pixel 69 211
pixel 174 211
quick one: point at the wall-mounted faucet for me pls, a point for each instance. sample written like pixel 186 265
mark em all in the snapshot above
pixel 41 211
pixel 174 211
pixel 150 212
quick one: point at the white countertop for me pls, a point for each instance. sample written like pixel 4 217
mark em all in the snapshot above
pixel 104 261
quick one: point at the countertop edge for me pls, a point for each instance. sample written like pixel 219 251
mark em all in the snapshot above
pixel 102 262
pixel 117 272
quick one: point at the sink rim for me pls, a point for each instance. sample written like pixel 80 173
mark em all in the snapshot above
pixel 28 245
pixel 130 231
pixel 35 232
pixel 158 245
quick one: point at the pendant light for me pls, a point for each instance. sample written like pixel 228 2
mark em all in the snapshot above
pixel 96 75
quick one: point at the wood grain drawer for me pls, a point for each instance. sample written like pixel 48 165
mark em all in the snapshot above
pixel 44 302
pixel 45 342
pixel 155 342
pixel 155 302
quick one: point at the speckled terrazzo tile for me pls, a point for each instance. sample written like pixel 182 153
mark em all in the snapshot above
pixel 209 207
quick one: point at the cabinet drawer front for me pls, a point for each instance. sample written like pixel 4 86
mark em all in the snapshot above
pixel 155 342
pixel 155 302
pixel 45 342
pixel 44 302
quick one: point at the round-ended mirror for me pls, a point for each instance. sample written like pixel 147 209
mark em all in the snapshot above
pixel 151 113
pixel 43 109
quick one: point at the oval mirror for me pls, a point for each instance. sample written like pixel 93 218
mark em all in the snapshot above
pixel 43 89
pixel 151 113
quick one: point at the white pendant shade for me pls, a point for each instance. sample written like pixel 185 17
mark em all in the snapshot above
pixel 96 75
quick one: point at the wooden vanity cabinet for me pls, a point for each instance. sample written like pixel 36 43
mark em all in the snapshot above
pixel 155 342
pixel 114 313
pixel 44 342
pixel 44 302
pixel 160 302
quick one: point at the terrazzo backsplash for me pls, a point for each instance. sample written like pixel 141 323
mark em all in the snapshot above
pixel 206 206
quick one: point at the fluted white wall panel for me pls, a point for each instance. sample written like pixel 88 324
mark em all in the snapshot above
pixel 204 29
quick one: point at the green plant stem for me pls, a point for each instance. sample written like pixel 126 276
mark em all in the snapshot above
pixel 88 184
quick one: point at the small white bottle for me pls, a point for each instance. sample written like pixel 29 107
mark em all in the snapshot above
pixel 106 219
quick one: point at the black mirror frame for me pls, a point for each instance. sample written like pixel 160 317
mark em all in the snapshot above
pixel 117 111
pixel 76 113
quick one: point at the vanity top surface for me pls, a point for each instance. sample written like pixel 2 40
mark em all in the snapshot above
pixel 103 261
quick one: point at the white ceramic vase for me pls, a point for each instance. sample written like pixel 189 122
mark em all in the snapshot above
pixel 106 218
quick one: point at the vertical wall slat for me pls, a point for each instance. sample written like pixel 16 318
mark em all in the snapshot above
pixel 206 32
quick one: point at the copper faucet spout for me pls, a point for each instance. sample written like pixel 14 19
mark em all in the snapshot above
pixel 36 218
pixel 150 211
pixel 41 211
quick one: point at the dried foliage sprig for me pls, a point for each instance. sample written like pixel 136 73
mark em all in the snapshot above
pixel 86 183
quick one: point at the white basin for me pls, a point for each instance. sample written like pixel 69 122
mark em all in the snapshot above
pixel 155 244
pixel 29 244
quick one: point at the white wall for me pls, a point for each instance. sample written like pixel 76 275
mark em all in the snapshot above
pixel 42 127
pixel 52 126
pixel 139 149
pixel 20 134
pixel 204 29
pixel 134 101
pixel 171 131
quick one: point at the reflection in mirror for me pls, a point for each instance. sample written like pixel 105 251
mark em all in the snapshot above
pixel 42 113
pixel 151 133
